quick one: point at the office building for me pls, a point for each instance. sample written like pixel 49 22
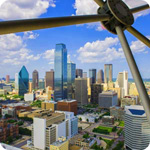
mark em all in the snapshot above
pixel 79 73
pixel 9 111
pixel 108 120
pixel 60 76
pixel 49 93
pixel 41 84
pixel 30 87
pixel 49 79
pixel 7 78
pixel 8 88
pixel 108 99
pixel 49 105
pixel 95 90
pixel 67 105
pixel 22 81
pixel 61 144
pixel 122 81
pixel 89 82
pixel 3 92
pixel 84 74
pixel 71 74
pixel 35 80
pixel 92 75
pixel 108 73
pixel 100 76
pixel 137 129
pixel 48 128
pixel 81 91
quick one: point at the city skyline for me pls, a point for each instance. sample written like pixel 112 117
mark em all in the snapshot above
pixel 36 48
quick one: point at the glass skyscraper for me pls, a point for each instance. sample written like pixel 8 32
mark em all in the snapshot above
pixel 92 75
pixel 60 76
pixel 108 73
pixel 71 74
pixel 22 81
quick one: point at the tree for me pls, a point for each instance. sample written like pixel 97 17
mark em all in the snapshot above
pixel 80 119
pixel 114 129
pixel 87 120
pixel 95 135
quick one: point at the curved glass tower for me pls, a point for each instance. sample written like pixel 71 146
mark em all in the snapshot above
pixel 60 77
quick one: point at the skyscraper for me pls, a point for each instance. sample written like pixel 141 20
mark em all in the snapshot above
pixel 79 73
pixel 22 81
pixel 71 74
pixel 7 78
pixel 84 74
pixel 122 81
pixel 92 74
pixel 81 94
pixel 49 79
pixel 60 76
pixel 108 68
pixel 35 79
pixel 137 129
pixel 100 76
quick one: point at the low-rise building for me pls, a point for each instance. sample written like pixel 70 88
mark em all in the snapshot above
pixel 117 112
pixel 129 100
pixel 87 118
pixel 29 97
pixel 9 111
pixel 49 105
pixel 61 144
pixel 3 92
pixel 108 120
pixel 7 129
pixel 85 143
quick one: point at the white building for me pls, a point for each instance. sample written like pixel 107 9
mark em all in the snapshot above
pixel 87 118
pixel 29 97
pixel 122 82
pixel 47 129
pixel 137 128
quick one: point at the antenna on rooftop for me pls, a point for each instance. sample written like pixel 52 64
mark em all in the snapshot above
pixel 114 15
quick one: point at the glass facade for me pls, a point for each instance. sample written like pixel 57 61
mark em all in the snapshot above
pixel 60 76
pixel 108 73
pixel 92 75
pixel 71 74
pixel 22 81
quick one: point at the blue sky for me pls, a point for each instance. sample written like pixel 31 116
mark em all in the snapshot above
pixel 89 46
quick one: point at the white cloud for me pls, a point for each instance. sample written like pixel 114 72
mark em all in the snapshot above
pixel 49 55
pixel 106 50
pixel 87 7
pixel 13 50
pixel 23 9
pixel 30 35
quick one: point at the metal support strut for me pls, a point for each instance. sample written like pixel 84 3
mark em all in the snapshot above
pixel 135 72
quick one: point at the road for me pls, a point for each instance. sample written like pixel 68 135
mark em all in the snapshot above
pixel 19 145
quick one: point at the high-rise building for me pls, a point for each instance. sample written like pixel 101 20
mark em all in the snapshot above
pixel 92 75
pixel 67 105
pixel 35 79
pixel 100 76
pixel 84 74
pixel 79 73
pixel 108 71
pixel 49 79
pixel 81 94
pixel 137 129
pixel 22 81
pixel 7 78
pixel 108 99
pixel 48 128
pixel 122 81
pixel 60 72
pixel 95 90
pixel 71 74
pixel 41 84
pixel 30 87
